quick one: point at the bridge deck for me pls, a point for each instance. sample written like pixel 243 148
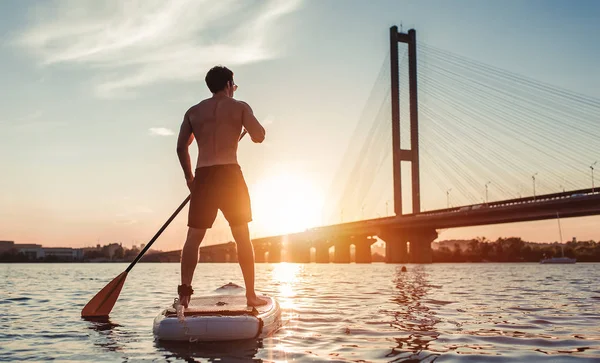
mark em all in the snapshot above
pixel 585 202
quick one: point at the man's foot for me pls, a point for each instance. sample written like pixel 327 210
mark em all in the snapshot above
pixel 185 293
pixel 184 300
pixel 256 301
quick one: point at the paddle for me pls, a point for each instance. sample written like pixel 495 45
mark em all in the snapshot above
pixel 102 303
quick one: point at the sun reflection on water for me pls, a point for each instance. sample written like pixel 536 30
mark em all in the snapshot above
pixel 285 277
pixel 285 272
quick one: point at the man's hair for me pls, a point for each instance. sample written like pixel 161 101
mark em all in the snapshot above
pixel 217 78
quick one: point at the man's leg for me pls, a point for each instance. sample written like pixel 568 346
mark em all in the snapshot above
pixel 245 252
pixel 189 258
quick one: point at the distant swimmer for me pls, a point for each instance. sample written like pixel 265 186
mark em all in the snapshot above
pixel 218 183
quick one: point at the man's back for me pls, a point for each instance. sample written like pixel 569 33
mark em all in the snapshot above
pixel 217 124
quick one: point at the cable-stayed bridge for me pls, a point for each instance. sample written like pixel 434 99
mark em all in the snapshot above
pixel 444 142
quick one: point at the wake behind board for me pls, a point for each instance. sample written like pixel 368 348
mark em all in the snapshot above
pixel 218 318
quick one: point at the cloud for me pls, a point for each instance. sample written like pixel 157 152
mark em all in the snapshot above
pixel 267 121
pixel 134 44
pixel 160 131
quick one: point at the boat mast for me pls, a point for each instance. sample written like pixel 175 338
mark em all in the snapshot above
pixel 562 249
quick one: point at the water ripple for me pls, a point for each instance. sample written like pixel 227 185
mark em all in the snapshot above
pixel 339 313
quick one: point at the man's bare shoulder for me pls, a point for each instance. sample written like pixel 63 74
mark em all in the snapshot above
pixel 198 107
pixel 230 103
pixel 243 105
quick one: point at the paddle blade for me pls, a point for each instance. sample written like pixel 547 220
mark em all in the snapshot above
pixel 103 302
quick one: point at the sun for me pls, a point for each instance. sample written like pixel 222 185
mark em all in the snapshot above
pixel 285 203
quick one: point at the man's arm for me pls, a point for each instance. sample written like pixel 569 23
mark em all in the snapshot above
pixel 251 124
pixel 184 140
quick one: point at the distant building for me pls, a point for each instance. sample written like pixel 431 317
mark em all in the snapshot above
pixel 6 246
pixel 112 248
pixel 32 251
pixel 63 253
pixel 91 249
pixel 78 254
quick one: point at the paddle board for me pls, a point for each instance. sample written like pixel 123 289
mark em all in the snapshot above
pixel 218 317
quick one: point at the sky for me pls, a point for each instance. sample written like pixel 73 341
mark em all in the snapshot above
pixel 93 94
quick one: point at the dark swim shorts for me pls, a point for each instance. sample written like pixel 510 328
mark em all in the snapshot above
pixel 219 187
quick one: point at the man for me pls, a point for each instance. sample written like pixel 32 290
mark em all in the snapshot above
pixel 218 183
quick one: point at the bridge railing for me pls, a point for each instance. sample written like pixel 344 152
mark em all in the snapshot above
pixel 517 201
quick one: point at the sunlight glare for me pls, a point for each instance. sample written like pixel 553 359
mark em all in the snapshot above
pixel 285 203
pixel 285 273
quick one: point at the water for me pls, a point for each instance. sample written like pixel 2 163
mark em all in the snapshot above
pixel 438 312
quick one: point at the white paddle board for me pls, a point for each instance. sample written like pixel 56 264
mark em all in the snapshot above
pixel 218 318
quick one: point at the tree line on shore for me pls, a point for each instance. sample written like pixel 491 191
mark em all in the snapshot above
pixel 514 249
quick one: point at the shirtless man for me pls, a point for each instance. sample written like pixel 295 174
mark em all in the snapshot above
pixel 218 183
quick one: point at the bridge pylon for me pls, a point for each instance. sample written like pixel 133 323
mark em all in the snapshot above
pixel 398 154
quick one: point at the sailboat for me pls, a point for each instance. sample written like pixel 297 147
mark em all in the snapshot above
pixel 561 259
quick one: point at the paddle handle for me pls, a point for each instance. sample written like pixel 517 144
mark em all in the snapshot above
pixel 160 231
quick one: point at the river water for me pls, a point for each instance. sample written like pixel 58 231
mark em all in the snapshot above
pixel 331 312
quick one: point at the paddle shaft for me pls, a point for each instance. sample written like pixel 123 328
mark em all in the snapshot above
pixel 160 231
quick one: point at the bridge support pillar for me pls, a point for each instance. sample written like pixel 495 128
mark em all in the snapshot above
pixel 220 256
pixel 205 256
pixel 226 252
pixel 298 253
pixel 395 246
pixel 396 251
pixel 362 251
pixel 214 255
pixel 342 251
pixel 231 254
pixel 322 252
pixel 420 245
pixel 259 253
pixel 275 253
